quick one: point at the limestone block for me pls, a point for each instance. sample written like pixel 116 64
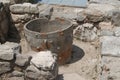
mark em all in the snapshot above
pixel 104 8
pixel 117 31
pixel 34 9
pixel 43 66
pixel 93 15
pixel 81 17
pixel 16 78
pixel 22 60
pixel 4 67
pixel 116 17
pixel 86 32
pixel 16 18
pixel 33 73
pixel 44 60
pixel 106 25
pixel 17 74
pixel 106 33
pixel 8 50
pixel 17 8
pixel 46 13
pixel 24 8
pixel 110 68
pixel 110 45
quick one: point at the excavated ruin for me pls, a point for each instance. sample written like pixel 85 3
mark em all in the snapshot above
pixel 54 42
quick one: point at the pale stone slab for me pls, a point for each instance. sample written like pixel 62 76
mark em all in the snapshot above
pixel 110 45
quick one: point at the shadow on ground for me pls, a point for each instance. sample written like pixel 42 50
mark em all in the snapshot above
pixel 77 54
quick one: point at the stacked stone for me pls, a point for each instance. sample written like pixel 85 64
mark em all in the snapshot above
pixel 16 66
pixel 22 13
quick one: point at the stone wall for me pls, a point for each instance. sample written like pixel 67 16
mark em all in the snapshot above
pixel 17 66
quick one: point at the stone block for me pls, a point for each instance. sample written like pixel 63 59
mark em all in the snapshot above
pixel 110 68
pixel 16 78
pixel 106 26
pixel 32 73
pixel 43 66
pixel 17 8
pixel 86 32
pixel 34 9
pixel 17 18
pixel 116 17
pixel 81 17
pixel 117 31
pixel 8 50
pixel 93 15
pixel 22 60
pixel 17 74
pixel 4 67
pixel 110 45
pixel 106 33
pixel 46 12
pixel 44 60
pixel 104 8
pixel 24 8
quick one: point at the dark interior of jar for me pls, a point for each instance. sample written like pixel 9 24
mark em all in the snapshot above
pixel 45 26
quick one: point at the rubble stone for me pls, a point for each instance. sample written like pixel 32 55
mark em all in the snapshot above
pixel 8 50
pixel 32 72
pixel 117 31
pixel 116 17
pixel 107 33
pixel 80 17
pixel 22 60
pixel 17 74
pixel 5 1
pixel 17 18
pixel 16 78
pixel 67 13
pixel 44 60
pixel 4 67
pixel 46 12
pixel 110 68
pixel 24 8
pixel 106 26
pixel 86 32
pixel 104 8
pixel 110 45
pixel 93 15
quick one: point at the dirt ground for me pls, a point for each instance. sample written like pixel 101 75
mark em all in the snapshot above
pixel 85 62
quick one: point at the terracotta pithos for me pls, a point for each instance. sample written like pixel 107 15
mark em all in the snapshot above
pixel 55 35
